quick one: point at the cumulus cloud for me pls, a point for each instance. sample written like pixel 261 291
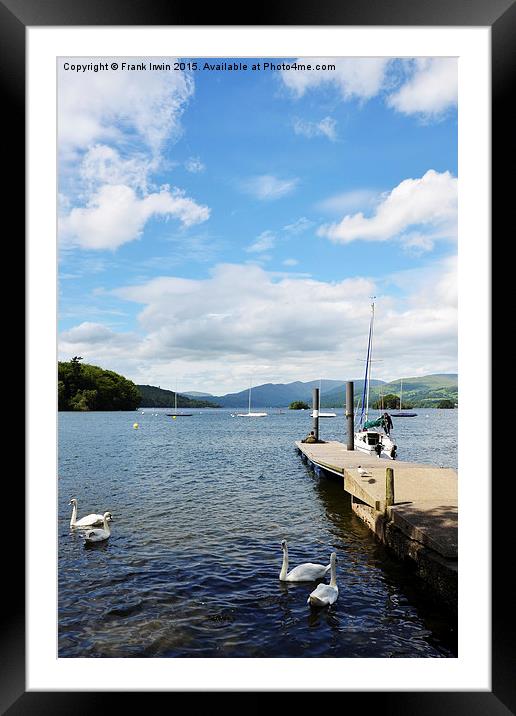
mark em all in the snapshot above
pixel 115 215
pixel 100 106
pixel 268 187
pixel 353 77
pixel 243 318
pixel 426 86
pixel 429 203
pixel 431 90
pixel 102 164
pixel 326 127
pixel 96 339
pixel 112 128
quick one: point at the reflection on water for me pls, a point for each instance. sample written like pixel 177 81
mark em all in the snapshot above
pixel 200 507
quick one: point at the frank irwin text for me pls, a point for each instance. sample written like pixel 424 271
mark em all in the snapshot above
pixel 213 66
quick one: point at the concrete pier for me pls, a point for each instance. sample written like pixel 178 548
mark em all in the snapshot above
pixel 421 523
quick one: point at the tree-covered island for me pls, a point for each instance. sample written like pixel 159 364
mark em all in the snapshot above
pixel 298 405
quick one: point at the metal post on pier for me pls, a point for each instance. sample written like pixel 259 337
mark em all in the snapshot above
pixel 349 415
pixel 315 411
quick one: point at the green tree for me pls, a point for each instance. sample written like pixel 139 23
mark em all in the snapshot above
pixel 88 387
pixel 298 405
pixel 390 401
pixel 445 404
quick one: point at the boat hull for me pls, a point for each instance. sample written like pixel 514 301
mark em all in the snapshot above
pixel 375 443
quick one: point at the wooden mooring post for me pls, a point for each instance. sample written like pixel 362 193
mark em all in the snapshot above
pixel 349 415
pixel 389 487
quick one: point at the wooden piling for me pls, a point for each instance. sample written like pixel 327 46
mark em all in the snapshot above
pixel 349 415
pixel 389 486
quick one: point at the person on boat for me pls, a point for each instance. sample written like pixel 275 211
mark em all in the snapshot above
pixel 310 438
pixel 387 423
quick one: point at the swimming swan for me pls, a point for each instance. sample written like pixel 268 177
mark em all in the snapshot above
pixel 307 572
pixel 326 594
pixel 99 535
pixel 88 521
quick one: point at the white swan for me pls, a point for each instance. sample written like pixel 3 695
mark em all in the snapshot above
pixel 326 594
pixel 99 535
pixel 307 572
pixel 87 521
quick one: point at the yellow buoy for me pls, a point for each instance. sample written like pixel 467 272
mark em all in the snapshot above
pixel 136 426
pixel 173 417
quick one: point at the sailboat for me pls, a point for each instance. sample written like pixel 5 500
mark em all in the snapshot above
pixel 370 436
pixel 175 414
pixel 400 413
pixel 249 414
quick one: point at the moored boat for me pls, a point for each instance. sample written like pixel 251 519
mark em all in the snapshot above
pixel 373 436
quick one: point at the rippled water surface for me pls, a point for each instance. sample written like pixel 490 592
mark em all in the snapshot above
pixel 201 505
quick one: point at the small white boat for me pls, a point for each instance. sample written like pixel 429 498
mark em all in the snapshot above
pixel 373 436
pixel 250 414
pixel 375 443
pixel 175 414
pixel 400 413
pixel 324 415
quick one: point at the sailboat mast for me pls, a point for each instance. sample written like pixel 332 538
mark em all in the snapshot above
pixel 401 393
pixel 370 356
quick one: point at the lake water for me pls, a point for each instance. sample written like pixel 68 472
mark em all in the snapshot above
pixel 200 506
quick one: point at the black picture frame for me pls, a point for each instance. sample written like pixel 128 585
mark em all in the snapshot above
pixel 500 16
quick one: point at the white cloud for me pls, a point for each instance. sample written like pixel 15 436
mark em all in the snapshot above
pixel 326 127
pixel 264 242
pixel 299 226
pixel 103 165
pixel 115 215
pixel 429 203
pixel 267 187
pixel 354 77
pixel 348 201
pixel 95 334
pixel 428 88
pixel 194 165
pixel 100 106
pixel 431 90
pixel 243 319
pixel 290 262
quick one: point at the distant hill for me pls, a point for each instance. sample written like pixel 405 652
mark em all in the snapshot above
pixel 153 397
pixel 418 392
pixel 278 395
pixel 196 394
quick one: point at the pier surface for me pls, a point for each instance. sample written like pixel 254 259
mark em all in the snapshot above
pixel 425 497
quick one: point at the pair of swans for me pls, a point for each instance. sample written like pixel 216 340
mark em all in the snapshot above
pixel 91 535
pixel 324 594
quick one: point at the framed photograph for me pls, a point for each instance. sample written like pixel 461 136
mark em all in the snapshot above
pixel 229 221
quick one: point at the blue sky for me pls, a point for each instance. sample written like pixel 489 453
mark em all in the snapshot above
pixel 218 227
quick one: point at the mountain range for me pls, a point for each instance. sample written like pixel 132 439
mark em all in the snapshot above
pixel 418 391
